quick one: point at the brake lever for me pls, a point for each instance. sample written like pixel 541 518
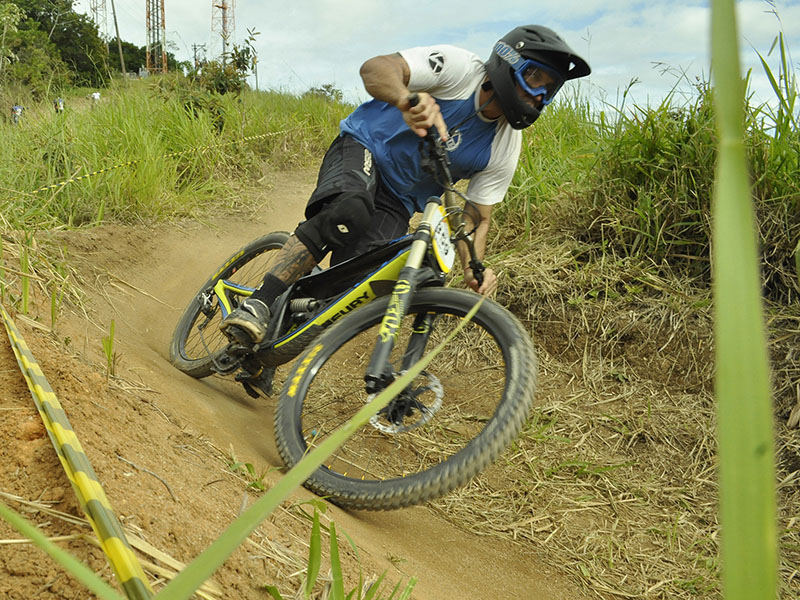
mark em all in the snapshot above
pixel 436 160
pixel 477 270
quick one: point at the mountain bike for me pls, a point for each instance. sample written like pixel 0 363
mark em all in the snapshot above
pixel 353 328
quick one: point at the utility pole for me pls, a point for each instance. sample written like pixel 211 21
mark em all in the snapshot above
pixel 195 48
pixel 119 41
pixel 156 37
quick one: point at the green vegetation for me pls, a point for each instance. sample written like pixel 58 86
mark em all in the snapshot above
pixel 364 591
pixel 108 350
pixel 166 147
pixel 644 179
pixel 745 439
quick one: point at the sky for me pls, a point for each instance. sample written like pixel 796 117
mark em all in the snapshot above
pixel 301 44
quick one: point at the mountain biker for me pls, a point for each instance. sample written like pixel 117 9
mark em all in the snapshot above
pixel 16 113
pixel 371 180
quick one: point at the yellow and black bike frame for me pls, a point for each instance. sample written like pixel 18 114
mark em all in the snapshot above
pixel 371 283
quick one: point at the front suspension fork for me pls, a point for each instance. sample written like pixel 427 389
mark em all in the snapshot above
pixel 379 372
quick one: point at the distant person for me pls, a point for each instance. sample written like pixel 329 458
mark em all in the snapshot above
pixel 58 104
pixel 371 180
pixel 16 113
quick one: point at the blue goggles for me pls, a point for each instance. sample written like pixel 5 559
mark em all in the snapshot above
pixel 532 77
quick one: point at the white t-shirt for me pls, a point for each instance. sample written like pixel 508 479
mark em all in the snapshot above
pixel 483 151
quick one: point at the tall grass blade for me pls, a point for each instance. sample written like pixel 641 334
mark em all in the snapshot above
pixel 108 350
pixel 745 438
pixel 337 583
pixel 797 262
pixel 76 568
pixel 314 556
pixel 375 587
pixel 2 275
pixel 25 267
pixel 406 593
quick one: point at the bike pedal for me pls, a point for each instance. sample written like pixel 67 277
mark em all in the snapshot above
pixel 256 387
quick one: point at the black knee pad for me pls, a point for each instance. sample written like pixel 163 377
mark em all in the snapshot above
pixel 337 225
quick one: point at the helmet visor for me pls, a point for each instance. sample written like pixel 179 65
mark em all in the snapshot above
pixel 538 79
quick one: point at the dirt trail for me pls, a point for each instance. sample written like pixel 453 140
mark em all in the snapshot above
pixel 143 278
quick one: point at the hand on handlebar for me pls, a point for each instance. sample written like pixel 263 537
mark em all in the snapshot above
pixel 489 281
pixel 421 112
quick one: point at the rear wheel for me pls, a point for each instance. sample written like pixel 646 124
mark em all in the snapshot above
pixel 197 341
pixel 454 419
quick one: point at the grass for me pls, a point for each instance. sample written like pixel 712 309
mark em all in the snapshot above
pixel 159 159
pixel 112 358
pixel 745 439
pixel 643 176
pixel 613 476
pixel 143 155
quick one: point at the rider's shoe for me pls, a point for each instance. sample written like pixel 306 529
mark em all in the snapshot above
pixel 251 318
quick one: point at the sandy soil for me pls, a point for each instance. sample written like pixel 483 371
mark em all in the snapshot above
pixel 159 440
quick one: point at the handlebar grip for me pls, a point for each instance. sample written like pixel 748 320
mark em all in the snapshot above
pixel 477 270
pixel 413 100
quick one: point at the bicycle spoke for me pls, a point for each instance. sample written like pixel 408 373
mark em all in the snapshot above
pixel 424 435
pixel 204 336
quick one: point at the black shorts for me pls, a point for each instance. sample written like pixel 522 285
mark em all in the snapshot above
pixel 349 183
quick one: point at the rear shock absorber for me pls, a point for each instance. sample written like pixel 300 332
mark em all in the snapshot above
pixel 302 308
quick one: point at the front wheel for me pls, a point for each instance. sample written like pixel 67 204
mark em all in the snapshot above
pixel 454 419
pixel 197 341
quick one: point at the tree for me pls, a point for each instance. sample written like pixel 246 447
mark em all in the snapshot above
pixel 134 56
pixel 82 49
pixel 230 74
pixel 38 65
pixel 10 15
pixel 75 38
pixel 327 92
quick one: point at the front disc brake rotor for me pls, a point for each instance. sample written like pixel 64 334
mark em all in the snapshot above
pixel 412 408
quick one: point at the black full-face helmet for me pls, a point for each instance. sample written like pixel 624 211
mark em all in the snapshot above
pixel 518 58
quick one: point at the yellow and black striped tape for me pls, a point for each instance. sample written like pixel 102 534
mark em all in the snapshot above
pixel 76 464
pixel 170 155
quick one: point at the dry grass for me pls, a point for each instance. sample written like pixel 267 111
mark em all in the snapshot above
pixel 614 478
pixel 48 270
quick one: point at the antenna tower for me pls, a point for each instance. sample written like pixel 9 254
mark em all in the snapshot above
pixel 97 9
pixel 156 37
pixel 222 20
